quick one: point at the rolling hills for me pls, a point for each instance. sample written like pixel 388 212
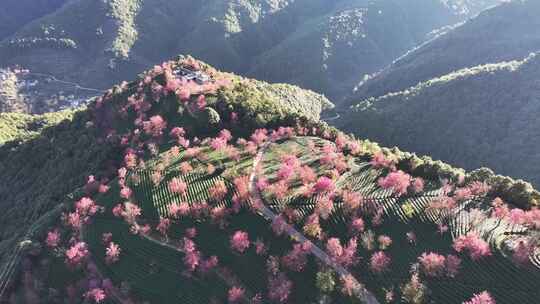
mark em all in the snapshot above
pixel 17 13
pixel 480 116
pixel 504 33
pixel 193 181
pixel 469 97
pixel 323 45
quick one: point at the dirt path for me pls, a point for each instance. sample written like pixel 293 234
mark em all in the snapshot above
pixel 360 291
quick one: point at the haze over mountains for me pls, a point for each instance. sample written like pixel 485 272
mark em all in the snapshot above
pixel 470 97
pixel 326 46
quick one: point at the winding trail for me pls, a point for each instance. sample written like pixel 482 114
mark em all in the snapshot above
pixel 76 85
pixel 336 117
pixel 359 289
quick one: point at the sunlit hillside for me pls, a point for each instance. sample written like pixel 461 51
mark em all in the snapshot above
pixel 216 189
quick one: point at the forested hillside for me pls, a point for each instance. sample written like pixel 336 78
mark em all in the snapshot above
pixel 480 116
pixel 17 13
pixel 321 45
pixel 219 189
pixel 504 33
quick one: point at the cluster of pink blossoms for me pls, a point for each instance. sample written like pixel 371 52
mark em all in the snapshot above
pixel 379 262
pixel 77 254
pixel 96 295
pixel 471 242
pixel 352 200
pixel 530 218
pixel 348 285
pixel 178 210
pixel 397 181
pixel 279 288
pixel 112 253
pixel 240 241
pixel 193 256
pixel 324 206
pixel 345 256
pixel 53 239
pixel 176 185
pixel 481 298
pixel 155 126
pixel 432 264
pixel 380 161
pixel 236 294
pixel 296 259
pixel 218 191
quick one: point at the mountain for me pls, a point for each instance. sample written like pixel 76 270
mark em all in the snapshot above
pixel 504 33
pixel 17 13
pixel 479 116
pixel 225 189
pixel 323 45
pixel 468 97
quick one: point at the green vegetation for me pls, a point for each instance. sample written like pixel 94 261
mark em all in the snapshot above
pixel 472 118
pixel 45 172
pixel 17 13
pixel 23 127
pixel 124 12
pixel 45 158
pixel 304 42
pixel 501 34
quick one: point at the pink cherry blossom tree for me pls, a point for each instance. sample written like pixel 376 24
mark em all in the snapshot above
pixel 192 257
pixel 53 239
pixel 236 294
pixel 112 253
pixel 348 285
pixel 240 241
pixel 324 185
pixel 155 126
pixel 163 226
pixel 481 298
pixel 296 259
pixel 432 264
pixel 324 206
pixel 379 262
pixel 471 242
pixel 176 185
pixel 96 295
pixel 453 264
pixel 398 182
pixel 77 254
pixel 279 288
pixel 218 191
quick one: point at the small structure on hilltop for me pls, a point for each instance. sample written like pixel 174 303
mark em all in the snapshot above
pixel 197 76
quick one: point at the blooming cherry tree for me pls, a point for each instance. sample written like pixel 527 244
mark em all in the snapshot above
pixel 379 262
pixel 432 264
pixel 176 185
pixel 236 294
pixel 53 239
pixel 112 253
pixel 240 241
pixel 398 182
pixel 471 242
pixel 481 298
pixel 77 254
pixel 96 295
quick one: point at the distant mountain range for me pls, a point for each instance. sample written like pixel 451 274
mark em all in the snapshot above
pixel 15 14
pixel 470 97
pixel 326 46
